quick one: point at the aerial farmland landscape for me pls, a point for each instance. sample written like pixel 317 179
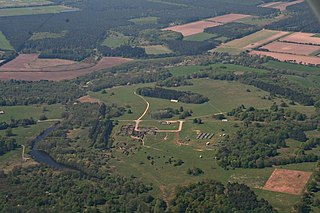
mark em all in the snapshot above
pixel 159 106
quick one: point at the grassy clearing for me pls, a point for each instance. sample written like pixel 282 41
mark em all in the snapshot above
pixel 116 39
pixel 217 91
pixel 188 70
pixel 165 175
pixel 145 20
pixel 35 10
pixel 200 37
pixel 47 35
pixel 292 67
pixel 20 112
pixel 258 21
pixel 4 43
pixel 157 49
pixel 23 3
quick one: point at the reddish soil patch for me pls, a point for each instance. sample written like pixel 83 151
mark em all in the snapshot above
pixel 30 67
pixel 313 60
pixel 193 27
pixel 88 99
pixel 287 181
pixel 302 38
pixel 291 48
pixel 228 18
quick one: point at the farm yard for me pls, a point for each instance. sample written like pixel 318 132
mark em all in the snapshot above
pixel 31 67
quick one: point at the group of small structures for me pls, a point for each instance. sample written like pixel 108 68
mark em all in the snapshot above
pixel 129 130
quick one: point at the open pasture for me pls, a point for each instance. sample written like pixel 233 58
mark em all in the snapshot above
pixel 251 41
pixel 115 39
pixel 200 37
pixel 299 59
pixel 228 18
pixel 30 67
pixel 287 181
pixel 4 43
pixel 157 49
pixel 291 48
pixel 302 38
pixel 23 3
pixel 35 10
pixel 145 20
pixel 193 27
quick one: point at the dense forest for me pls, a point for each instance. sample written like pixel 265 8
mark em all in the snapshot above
pixel 7 144
pixel 214 196
pixel 183 96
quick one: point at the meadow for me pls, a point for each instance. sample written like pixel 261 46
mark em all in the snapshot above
pixel 145 20
pixel 4 43
pixel 35 10
pixel 23 3
pixel 200 37
pixel 115 39
pixel 157 49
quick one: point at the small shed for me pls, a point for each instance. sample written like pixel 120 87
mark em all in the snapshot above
pixel 1 112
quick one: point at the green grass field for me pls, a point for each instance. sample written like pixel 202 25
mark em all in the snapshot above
pixel 23 3
pixel 145 20
pixel 293 67
pixel 47 35
pixel 200 37
pixel 4 43
pixel 239 45
pixel 165 176
pixel 19 112
pixel 188 70
pixel 35 10
pixel 157 49
pixel 115 39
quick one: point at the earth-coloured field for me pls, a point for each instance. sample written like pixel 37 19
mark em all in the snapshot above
pixel 228 18
pixel 88 99
pixel 287 181
pixel 30 67
pixel 193 28
pixel 302 38
pixel 291 48
pixel 199 26
pixel 289 57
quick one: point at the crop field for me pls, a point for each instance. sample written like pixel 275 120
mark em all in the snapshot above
pixel 302 38
pixel 35 10
pixel 4 43
pixel 287 181
pixel 30 67
pixel 193 28
pixel 157 49
pixel 228 18
pixel 145 20
pixel 23 3
pixel 250 42
pixel 291 48
pixel 282 6
pixel 115 39
pixel 200 37
pixel 289 57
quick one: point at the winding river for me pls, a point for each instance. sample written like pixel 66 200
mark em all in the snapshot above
pixel 41 156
